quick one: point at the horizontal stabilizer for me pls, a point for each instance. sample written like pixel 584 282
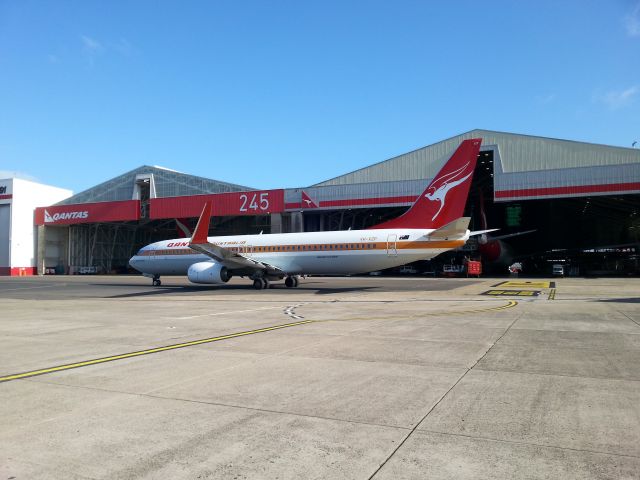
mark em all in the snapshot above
pixel 457 228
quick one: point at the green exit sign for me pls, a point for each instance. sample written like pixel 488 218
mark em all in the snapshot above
pixel 514 215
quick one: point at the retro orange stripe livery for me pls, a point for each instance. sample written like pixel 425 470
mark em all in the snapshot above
pixel 433 224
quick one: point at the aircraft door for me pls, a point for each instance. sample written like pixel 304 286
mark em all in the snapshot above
pixel 392 246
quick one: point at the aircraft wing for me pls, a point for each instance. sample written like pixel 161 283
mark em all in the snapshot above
pixel 480 232
pixel 509 235
pixel 225 256
pixel 232 260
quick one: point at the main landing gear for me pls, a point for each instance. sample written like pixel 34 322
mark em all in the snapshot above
pixel 156 281
pixel 260 283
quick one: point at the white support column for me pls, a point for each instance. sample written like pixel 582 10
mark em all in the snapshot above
pixel 297 222
pixel 276 223
pixel 40 249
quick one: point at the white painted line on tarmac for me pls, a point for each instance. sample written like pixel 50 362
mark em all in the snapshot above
pixel 30 288
pixel 226 313
pixel 290 311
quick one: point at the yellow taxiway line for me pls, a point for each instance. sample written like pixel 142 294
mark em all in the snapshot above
pixel 95 361
pixel 509 304
pixel 112 358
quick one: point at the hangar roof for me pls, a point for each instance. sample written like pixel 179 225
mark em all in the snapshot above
pixel 518 153
pixel 167 183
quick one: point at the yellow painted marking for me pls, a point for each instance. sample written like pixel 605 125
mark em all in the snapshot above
pixel 509 304
pixel 516 293
pixel 525 284
pixel 552 294
pixel 96 361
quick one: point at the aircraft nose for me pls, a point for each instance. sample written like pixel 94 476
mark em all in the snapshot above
pixel 134 262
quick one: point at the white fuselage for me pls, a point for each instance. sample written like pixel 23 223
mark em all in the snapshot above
pixel 336 252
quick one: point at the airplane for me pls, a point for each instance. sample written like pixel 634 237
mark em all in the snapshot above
pixel 434 224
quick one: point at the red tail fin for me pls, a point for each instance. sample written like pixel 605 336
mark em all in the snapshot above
pixel 444 199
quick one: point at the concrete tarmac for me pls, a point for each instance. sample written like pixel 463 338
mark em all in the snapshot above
pixel 346 378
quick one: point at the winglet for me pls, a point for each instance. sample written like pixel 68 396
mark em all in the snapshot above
pixel 202 229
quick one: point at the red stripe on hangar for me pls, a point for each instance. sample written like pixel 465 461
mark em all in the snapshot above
pixel 369 201
pixel 569 190
pixel 357 202
pixel 126 210
pixel 258 202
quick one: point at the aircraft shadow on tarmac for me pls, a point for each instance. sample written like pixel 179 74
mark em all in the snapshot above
pixel 180 289
pixel 621 300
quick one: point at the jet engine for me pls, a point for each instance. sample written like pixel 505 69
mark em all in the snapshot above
pixel 208 272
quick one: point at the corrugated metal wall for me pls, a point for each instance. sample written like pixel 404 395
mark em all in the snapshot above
pixel 518 153
pixel 568 182
pixel 361 190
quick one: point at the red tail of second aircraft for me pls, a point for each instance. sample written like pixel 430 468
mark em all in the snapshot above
pixel 444 199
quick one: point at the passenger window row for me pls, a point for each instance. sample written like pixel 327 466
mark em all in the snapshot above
pixel 265 249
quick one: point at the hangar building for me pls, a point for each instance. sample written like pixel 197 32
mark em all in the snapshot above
pixel 18 199
pixel 578 202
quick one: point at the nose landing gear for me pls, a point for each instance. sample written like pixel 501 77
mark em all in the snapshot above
pixel 156 281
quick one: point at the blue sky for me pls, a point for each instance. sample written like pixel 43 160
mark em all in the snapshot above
pixel 286 93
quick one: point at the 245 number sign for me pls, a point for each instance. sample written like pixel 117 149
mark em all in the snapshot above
pixel 259 202
pixel 254 201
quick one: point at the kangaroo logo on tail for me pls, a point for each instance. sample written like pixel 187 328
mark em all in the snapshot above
pixel 456 172
pixel 441 186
